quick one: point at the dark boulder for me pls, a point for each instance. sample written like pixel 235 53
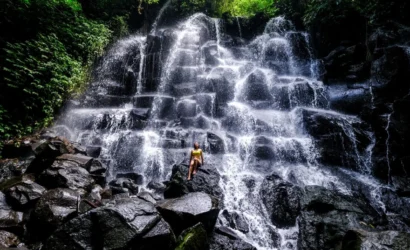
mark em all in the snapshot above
pixel 91 200
pixel 93 151
pixel 10 220
pixel 127 219
pixel 24 193
pixel 146 196
pixel 236 221
pixel 224 238
pixel 76 234
pixel 350 99
pixel 206 180
pixel 98 171
pixel 53 209
pixel 81 160
pixel 216 143
pixel 156 188
pixel 125 224
pixel 66 174
pixel 342 140
pixel 188 210
pixel 124 185
pixel 256 88
pixel 282 200
pixel 10 168
pixel 136 178
pixel 327 216
pixel 8 239
pixel 347 63
pixel 359 239
pixel 159 237
pixel 193 238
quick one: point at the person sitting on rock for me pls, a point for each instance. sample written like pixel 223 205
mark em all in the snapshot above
pixel 196 160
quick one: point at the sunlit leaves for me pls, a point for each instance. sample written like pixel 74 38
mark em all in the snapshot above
pixel 247 8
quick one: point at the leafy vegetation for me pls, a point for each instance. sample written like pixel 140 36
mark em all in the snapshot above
pixel 46 50
pixel 247 8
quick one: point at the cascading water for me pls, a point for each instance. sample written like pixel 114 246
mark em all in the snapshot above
pixel 251 97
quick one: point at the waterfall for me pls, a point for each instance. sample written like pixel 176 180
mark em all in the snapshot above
pixel 253 98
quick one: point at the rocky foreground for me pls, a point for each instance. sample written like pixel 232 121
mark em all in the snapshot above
pixel 54 196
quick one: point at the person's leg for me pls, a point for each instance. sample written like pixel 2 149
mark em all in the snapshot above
pixel 195 166
pixel 191 167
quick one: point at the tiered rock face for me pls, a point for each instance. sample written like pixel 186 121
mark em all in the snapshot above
pixel 377 90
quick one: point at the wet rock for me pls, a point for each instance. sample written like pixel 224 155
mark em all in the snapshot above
pixel 98 171
pixel 282 200
pixel 76 234
pixel 220 84
pixel 359 239
pixel 78 149
pixel 124 185
pixel 10 168
pixel 327 216
pixel 54 208
pixel 193 238
pixel 11 221
pixel 24 193
pixel 81 160
pixel 146 197
pixel 157 187
pixel 216 143
pixel 349 99
pixel 236 221
pixel 47 134
pixel 66 174
pixel 396 207
pixel 342 140
pixel 129 218
pixel 121 225
pixel 256 88
pixel 347 63
pixel 46 149
pixel 188 210
pixel 187 108
pixel 8 239
pixel 137 178
pixel 206 180
pixel 93 151
pixel 91 200
pixel 159 237
pixel 224 238
pixel 97 167
pixel 140 114
pixel 389 109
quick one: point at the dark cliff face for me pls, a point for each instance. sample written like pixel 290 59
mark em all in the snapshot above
pixel 372 82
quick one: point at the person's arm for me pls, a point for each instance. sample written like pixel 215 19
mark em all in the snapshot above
pixel 190 159
pixel 202 157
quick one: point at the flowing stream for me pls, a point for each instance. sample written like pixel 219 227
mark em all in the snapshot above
pixel 243 101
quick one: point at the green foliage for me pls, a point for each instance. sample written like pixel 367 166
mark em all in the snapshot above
pixel 39 75
pixel 190 6
pixel 46 64
pixel 247 8
pixel 336 11
pixel 333 11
